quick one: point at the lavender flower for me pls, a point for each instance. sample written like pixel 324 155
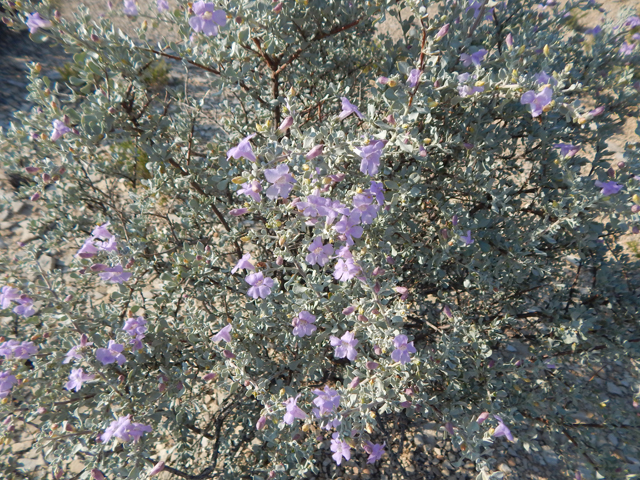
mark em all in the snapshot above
pixel 364 209
pixel 315 206
pixel 136 328
pixel 244 263
pixel 566 149
pixel 475 58
pixel 468 90
pixel 348 108
pixel 509 41
pixel 111 354
pixel 243 149
pixel 482 417
pixel 346 269
pixel 59 129
pixel 375 451
pixel 125 430
pixel 35 22
pixel 25 308
pixel 403 349
pixel 302 324
pixel 341 449
pixel 314 152
pixel 163 5
pixel 542 78
pixel 224 334
pixel 158 467
pixel 414 77
pixel 596 111
pixel 76 351
pixel 608 188
pixel 633 21
pixel 442 32
pixel 594 31
pixel 130 8
pixel 293 411
pixel 7 381
pixel 370 155
pixel 260 286
pixel 88 249
pixel 251 189
pixel 502 429
pixel 377 189
pixel 281 179
pixel 326 400
pixel 538 101
pixel 348 226
pixel 8 295
pixel 207 19
pixel 76 378
pixel 319 252
pixel 467 238
pixel 236 212
pixel 286 124
pixel 627 48
pixel 21 351
pixel 115 275
pixel 345 346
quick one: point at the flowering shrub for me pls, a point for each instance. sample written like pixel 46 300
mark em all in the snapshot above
pixel 370 227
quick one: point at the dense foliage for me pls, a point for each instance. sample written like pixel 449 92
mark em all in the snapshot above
pixel 424 225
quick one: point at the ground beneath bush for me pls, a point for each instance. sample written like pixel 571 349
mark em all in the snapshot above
pixel 418 449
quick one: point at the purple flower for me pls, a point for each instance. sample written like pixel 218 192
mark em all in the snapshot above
pixel 467 238
pixel 596 111
pixel 442 32
pixel 315 206
pixel 243 149
pixel 594 31
pixel 349 227
pixel 375 451
pixel 115 275
pixel 608 188
pixel 537 101
pixel 59 129
pixel 251 189
pixel 7 381
pixel 377 189
pixel 8 295
pixel 157 468
pixel 224 334
pixel 340 449
pixel 111 354
pixel 302 324
pixel 509 41
pixel 414 77
pixel 76 378
pixel 345 346
pixel 25 308
pixel 20 351
pixel 136 328
pixel 542 78
pixel 633 21
pixel 627 48
pixel 281 179
pixel 314 152
pixel 372 365
pixel 124 430
pixel 260 286
pixel 346 269
pixel 468 90
pixel 260 424
pixel 207 19
pixel 286 124
pixel 326 400
pixel 566 149
pixel 403 349
pixel 348 108
pixel 354 383
pixel 244 263
pixel 349 310
pixel 88 249
pixel 236 212
pixel 130 8
pixel 502 430
pixel 35 21
pixel 364 209
pixel 163 6
pixel 293 411
pixel 74 351
pixel 383 80
pixel 319 252
pixel 334 209
pixel 370 155
pixel 482 417
pixel 475 58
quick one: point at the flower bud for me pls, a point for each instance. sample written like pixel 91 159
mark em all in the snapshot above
pixel 378 271
pixel 611 173
pixel 509 41
pixel 35 197
pixel 282 241
pixel 277 8
pixel 57 16
pixel 279 260
pixel 392 83
pixel 97 474
pixel 228 354
pixel 442 32
pixel 354 383
pixel 635 208
pixel 377 350
pixel 362 318
pixel 112 110
pixel 7 21
pixel 349 310
pixel 121 378
pixel 622 165
pixel 262 421
pixel 210 376
pixel 287 122
pixel 98 267
pixel 546 50
pixel 158 467
pixel 95 37
pixel 390 260
pixel 635 230
pixel 447 311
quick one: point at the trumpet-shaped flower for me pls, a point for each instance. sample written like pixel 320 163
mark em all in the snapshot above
pixel 348 108
pixel 340 448
pixel 608 188
pixel 364 209
pixel 35 22
pixel 319 252
pixel 293 411
pixel 8 295
pixel 251 189
pixel 303 324
pixel 502 430
pixel 475 58
pixel 125 430
pixel 345 346
pixel 163 5
pixel 281 179
pixel 207 20
pixel 7 381
pixel 224 334
pixel 244 263
pixel 566 149
pixel 115 274
pixel 375 451
pixel 243 149
pixel 76 350
pixel 76 378
pixel 326 400
pixel 111 354
pixel 403 349
pixel 260 286
pixel 370 154
pixel 349 227
pixel 25 308
pixel 59 130
pixel 537 101
pixel 14 349
pixel 414 77
pixel 130 8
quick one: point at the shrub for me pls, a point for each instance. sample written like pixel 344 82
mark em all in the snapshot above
pixel 368 228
